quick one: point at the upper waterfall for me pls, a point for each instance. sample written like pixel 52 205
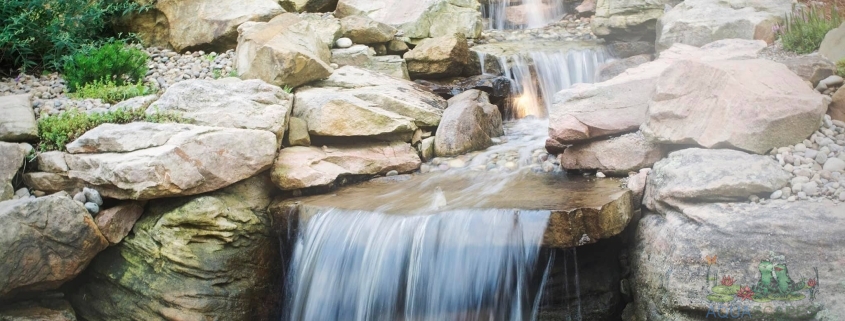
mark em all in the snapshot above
pixel 524 14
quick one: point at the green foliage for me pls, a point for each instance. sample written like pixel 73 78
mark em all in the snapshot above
pixel 288 89
pixel 233 73
pixel 840 68
pixel 56 131
pixel 113 62
pixel 804 32
pixel 39 33
pixel 109 92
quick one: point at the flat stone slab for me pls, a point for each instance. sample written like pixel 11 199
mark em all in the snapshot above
pixel 581 211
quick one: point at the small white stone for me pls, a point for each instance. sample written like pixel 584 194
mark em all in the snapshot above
pixel 777 195
pixel 600 175
pixel 343 43
pixel 834 165
pixel 800 147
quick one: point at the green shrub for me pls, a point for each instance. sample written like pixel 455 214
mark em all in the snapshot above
pixel 109 92
pixel 37 34
pixel 56 131
pixel 804 33
pixel 113 62
pixel 840 68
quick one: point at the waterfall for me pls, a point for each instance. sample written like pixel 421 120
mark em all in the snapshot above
pixel 455 265
pixel 525 14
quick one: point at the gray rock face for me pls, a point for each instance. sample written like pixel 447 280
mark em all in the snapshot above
pixel 284 51
pixel 711 175
pixel 12 157
pixel 616 67
pixel 812 68
pixel 420 19
pixel 51 182
pixel 233 103
pixel 146 160
pixel 779 241
pixel 720 106
pixel 18 121
pixel 468 124
pixel 210 256
pixel 616 156
pixel 699 22
pixel 362 29
pixel 627 20
pixel 833 45
pixel 46 242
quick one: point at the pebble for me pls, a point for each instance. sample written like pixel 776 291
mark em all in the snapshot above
pixel 392 173
pixel 343 43
pixel 777 195
pixel 38 193
pixel 457 163
pixel 22 193
pixel 92 208
pixel 754 198
pixel 92 195
pixel 842 196
pixel 600 175
pixel 79 197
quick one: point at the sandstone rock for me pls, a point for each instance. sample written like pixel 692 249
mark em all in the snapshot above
pixel 38 310
pixel 620 105
pixel 615 67
pixel 210 256
pixel 438 57
pixel 327 27
pixel 427 149
pixel 702 175
pixel 812 68
pixel 468 124
pixel 626 49
pixel 615 156
pixel 833 45
pixel 46 242
pixel 51 182
pixel 397 47
pixel 303 167
pixel 362 29
pixel 18 121
pixel 836 110
pixel 284 51
pixel 358 102
pixel 720 106
pixel 12 157
pixel 309 5
pixel 637 183
pixel 420 19
pixel 247 104
pixel 586 8
pixel 210 25
pixel 116 222
pixel 794 240
pixel 53 162
pixel 297 133
pixel 146 161
pixel 698 22
pixel 365 57
pixel 393 66
pixel 357 55
pixel 627 20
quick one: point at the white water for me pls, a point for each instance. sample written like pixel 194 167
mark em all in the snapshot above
pixel 457 265
pixel 525 14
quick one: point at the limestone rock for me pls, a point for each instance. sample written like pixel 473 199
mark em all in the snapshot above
pixel 232 103
pixel 468 124
pixel 615 156
pixel 53 162
pixel 12 157
pixel 636 183
pixel 18 121
pixel 833 45
pixel 627 20
pixel 699 22
pixel 303 167
pixel 363 30
pixel 812 68
pixel 116 222
pixel 51 182
pixel 309 5
pixel 146 160
pixel 46 242
pixel 716 175
pixel 419 19
pixel 47 309
pixel 284 51
pixel 438 57
pixel 327 27
pixel 753 105
pixel 297 133
pixel 210 256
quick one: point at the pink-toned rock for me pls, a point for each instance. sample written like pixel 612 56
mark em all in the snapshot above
pixel 753 105
pixel 616 156
pixel 116 222
pixel 586 8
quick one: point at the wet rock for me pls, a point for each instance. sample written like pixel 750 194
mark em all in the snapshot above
pixel 205 256
pixel 116 222
pixel 496 87
pixel 721 109
pixel 48 309
pixel 468 124
pixel 46 242
pixel 12 157
pixel 309 5
pixel 833 45
pixel 297 133
pixel 18 121
pixel 363 30
pixel 438 57
pixel 147 160
pixel 418 20
pixel 615 156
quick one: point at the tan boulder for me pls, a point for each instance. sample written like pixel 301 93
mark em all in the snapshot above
pixel 836 110
pixel 469 123
pixel 812 68
pixel 627 20
pixel 419 19
pixel 52 182
pixel 615 156
pixel 833 45
pixel 18 121
pixel 363 30
pixel 286 51
pixel 438 57
pixel 12 158
pixel 297 133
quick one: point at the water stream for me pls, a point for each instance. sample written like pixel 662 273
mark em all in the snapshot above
pixel 524 14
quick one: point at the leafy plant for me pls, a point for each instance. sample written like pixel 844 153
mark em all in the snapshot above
pixel 803 33
pixel 233 73
pixel 288 89
pixel 56 131
pixel 840 67
pixel 108 91
pixel 37 34
pixel 216 73
pixel 114 62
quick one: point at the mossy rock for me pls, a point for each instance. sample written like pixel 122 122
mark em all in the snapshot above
pixel 726 290
pixel 721 298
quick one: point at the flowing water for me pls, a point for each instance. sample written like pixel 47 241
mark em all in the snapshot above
pixel 524 14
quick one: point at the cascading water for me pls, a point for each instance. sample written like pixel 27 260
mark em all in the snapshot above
pixel 524 14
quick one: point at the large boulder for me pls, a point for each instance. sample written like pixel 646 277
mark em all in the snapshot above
pixel 18 121
pixel 230 102
pixel 836 110
pixel 627 20
pixel 198 24
pixel 47 309
pixel 699 22
pixel 786 257
pixel 205 257
pixel 469 124
pixel 147 161
pixel 358 102
pixel 309 5
pixel 303 167
pixel 620 105
pixel 616 67
pixel 46 242
pixel 12 158
pixel 813 68
pixel 420 19
pixel 362 29
pixel 326 26
pixel 833 45
pixel 438 57
pixel 365 57
pixel 615 156
pixel 711 175
pixel 286 51
pixel 753 105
